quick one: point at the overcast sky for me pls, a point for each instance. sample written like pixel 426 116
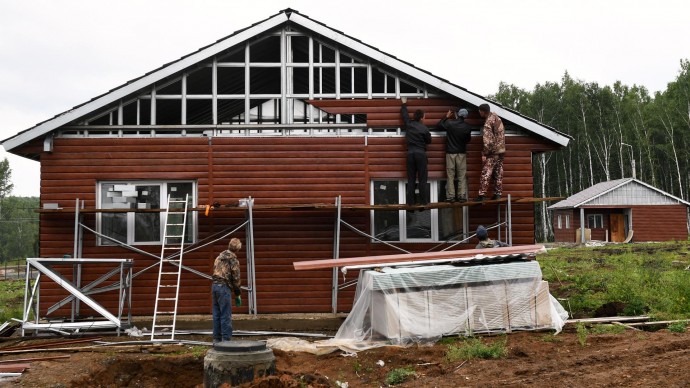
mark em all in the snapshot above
pixel 58 54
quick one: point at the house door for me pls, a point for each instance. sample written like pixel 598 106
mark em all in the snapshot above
pixel 617 225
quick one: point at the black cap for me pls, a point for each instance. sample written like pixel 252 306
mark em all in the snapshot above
pixel 482 234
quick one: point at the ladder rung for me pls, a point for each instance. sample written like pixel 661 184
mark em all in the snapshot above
pixel 164 313
pixel 178 247
pixel 171 260
pixel 175 224
pixel 169 273
pixel 167 298
pixel 168 285
pixel 174 236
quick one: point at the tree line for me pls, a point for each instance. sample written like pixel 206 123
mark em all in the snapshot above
pixel 18 220
pixel 618 131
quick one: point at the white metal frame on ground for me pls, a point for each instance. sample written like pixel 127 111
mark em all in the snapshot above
pixel 44 266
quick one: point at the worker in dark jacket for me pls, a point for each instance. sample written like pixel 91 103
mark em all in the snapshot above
pixel 485 241
pixel 417 136
pixel 226 279
pixel 458 134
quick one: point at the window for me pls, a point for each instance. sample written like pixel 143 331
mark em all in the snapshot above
pixel 595 221
pixel 560 224
pixel 428 225
pixel 134 228
pixel 567 221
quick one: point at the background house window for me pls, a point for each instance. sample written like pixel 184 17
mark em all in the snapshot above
pixel 567 221
pixel 412 226
pixel 595 221
pixel 141 228
pixel 559 222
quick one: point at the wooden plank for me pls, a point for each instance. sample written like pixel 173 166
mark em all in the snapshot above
pixel 468 253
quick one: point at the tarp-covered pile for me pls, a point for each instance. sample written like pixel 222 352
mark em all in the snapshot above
pixel 407 305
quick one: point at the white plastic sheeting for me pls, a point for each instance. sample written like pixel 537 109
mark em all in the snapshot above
pixel 402 306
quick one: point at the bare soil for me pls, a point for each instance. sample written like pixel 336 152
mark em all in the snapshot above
pixel 629 359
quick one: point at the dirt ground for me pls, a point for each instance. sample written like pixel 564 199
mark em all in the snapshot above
pixel 629 359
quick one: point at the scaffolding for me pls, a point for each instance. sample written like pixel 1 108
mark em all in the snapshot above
pixel 504 220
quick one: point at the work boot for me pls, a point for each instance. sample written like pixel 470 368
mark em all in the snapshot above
pixel 449 200
pixel 462 199
pixel 496 196
pixel 479 199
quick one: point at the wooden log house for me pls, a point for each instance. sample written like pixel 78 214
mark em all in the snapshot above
pixel 286 111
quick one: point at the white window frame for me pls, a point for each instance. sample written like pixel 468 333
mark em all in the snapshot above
pixel 402 214
pixel 598 220
pixel 567 221
pixel 131 215
pixel 559 222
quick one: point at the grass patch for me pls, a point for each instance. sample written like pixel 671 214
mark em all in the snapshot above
pixel 399 375
pixel 607 329
pixel 678 327
pixel 550 338
pixel 475 348
pixel 582 334
pixel 11 299
pixel 638 279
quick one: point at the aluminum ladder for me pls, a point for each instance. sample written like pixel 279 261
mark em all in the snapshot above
pixel 170 268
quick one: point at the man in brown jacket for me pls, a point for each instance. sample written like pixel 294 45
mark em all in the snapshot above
pixel 494 138
pixel 226 280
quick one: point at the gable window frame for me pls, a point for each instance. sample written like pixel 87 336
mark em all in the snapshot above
pixel 131 222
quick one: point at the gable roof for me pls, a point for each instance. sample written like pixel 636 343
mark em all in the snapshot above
pixel 626 191
pixel 283 17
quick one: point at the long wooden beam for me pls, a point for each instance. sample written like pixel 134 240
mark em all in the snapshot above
pixel 399 258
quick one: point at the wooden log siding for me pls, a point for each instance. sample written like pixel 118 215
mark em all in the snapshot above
pixel 272 170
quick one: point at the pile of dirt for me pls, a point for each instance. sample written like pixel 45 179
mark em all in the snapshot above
pixel 631 358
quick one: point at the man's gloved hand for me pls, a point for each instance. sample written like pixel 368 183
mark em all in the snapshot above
pixel 404 100
pixel 238 301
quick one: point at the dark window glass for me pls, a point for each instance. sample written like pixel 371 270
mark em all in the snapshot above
pixel 300 80
pixel 407 88
pixel 103 120
pixel 265 50
pixel 361 84
pixel 300 49
pixel 129 113
pixel 235 56
pixel 174 88
pixel 265 80
pixel 168 112
pixel 144 112
pixel 199 112
pixel 200 81
pixel 229 111
pixel 386 222
pixel 230 80
pixel 345 80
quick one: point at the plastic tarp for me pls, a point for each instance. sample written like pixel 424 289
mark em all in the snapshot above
pixel 408 305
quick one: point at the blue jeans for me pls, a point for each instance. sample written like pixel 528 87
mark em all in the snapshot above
pixel 222 312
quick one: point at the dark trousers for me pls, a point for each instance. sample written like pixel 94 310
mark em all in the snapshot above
pixel 222 312
pixel 417 170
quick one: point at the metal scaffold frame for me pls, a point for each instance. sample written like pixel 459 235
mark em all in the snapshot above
pixel 336 286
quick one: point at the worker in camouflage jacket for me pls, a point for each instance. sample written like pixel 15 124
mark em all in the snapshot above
pixel 226 279
pixel 493 151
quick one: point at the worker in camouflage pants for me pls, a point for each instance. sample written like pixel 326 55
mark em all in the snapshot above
pixel 493 151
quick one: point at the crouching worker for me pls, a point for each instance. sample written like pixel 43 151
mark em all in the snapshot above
pixel 226 280
pixel 485 241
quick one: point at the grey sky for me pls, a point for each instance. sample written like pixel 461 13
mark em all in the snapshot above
pixel 58 54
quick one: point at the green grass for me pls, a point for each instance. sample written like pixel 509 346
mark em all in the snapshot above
pixel 639 279
pixel 475 348
pixel 678 327
pixel 607 329
pixel 582 334
pixel 399 375
pixel 11 299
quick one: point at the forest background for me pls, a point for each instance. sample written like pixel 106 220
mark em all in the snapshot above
pixel 618 131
